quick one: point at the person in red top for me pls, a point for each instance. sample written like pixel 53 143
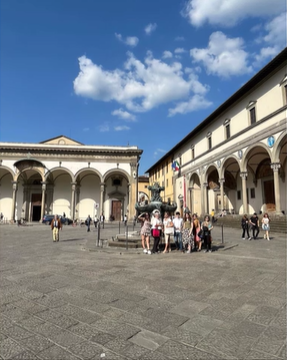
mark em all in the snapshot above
pixel 56 225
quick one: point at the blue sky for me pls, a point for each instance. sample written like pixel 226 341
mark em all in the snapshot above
pixel 137 72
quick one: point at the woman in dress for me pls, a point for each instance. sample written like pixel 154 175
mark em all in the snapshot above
pixel 266 225
pixel 156 226
pixel 187 237
pixel 197 239
pixel 206 227
pixel 168 230
pixel 145 232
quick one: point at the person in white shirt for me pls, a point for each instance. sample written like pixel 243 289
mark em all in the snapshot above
pixel 178 225
pixel 168 230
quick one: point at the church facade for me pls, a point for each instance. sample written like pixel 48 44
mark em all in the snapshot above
pixel 61 175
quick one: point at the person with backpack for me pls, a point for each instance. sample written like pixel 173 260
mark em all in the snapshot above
pixel 254 220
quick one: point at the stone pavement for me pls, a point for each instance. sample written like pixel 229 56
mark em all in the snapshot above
pixel 61 301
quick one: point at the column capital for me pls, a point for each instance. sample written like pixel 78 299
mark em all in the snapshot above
pixel 221 180
pixel 73 184
pixel 275 166
pixel 243 175
pixel 102 187
pixel 43 186
pixel 14 185
pixel 205 185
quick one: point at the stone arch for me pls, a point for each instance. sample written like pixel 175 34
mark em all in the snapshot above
pixel 281 143
pixel 6 191
pixel 260 180
pixel 116 171
pixel 89 169
pixel 117 193
pixel 249 151
pixel 194 197
pixel 63 169
pixel 211 177
pixel 230 172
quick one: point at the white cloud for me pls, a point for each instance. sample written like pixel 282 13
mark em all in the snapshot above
pixel 223 56
pixel 229 12
pixel 121 127
pixel 196 102
pixel 179 38
pixel 104 128
pixel 140 86
pixel 130 40
pixel 150 28
pixel 123 114
pixel 159 150
pixel 273 39
pixel 167 54
pixel 179 51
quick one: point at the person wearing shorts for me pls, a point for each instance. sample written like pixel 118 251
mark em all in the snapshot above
pixel 145 232
pixel 168 231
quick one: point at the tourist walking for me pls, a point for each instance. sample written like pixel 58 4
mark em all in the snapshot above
pixel 145 232
pixel 156 226
pixel 88 223
pixel 56 225
pixel 187 237
pixel 168 231
pixel 197 239
pixel 245 226
pixel 266 225
pixel 178 227
pixel 206 227
pixel 254 220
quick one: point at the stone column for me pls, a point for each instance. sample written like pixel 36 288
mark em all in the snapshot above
pixel 102 198
pixel 73 200
pixel 191 199
pixel 43 200
pixel 133 190
pixel 77 212
pixel 243 176
pixel 204 198
pixel 276 167
pixel 14 188
pixel 221 181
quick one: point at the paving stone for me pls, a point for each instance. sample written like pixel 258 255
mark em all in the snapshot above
pixel 36 343
pixel 67 339
pixel 5 323
pixel 282 353
pixel 184 336
pixel 2 337
pixel 26 355
pixel 17 333
pixel 201 324
pixel 29 306
pixel 30 322
pixel 257 355
pixel 117 345
pixel 56 318
pixel 134 352
pixel 56 353
pixel 15 313
pixel 263 315
pixel 48 330
pixel 176 350
pixel 154 355
pixel 149 340
pixel 249 329
pixel 79 314
pixel 102 338
pixel 10 348
pixel 86 350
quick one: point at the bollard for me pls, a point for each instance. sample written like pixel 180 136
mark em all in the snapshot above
pixel 119 227
pixel 103 223
pixel 127 238
pixel 222 240
pixel 99 232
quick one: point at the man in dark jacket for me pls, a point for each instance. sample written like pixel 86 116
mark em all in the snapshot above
pixel 254 220
pixel 88 223
pixel 56 225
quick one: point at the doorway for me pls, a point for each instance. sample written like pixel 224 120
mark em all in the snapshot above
pixel 269 195
pixel 117 210
pixel 36 206
pixel 36 213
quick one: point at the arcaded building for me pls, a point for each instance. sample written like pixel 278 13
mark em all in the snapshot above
pixel 235 159
pixel 61 175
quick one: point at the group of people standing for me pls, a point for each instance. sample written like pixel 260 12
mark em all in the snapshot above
pixel 253 224
pixel 188 232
